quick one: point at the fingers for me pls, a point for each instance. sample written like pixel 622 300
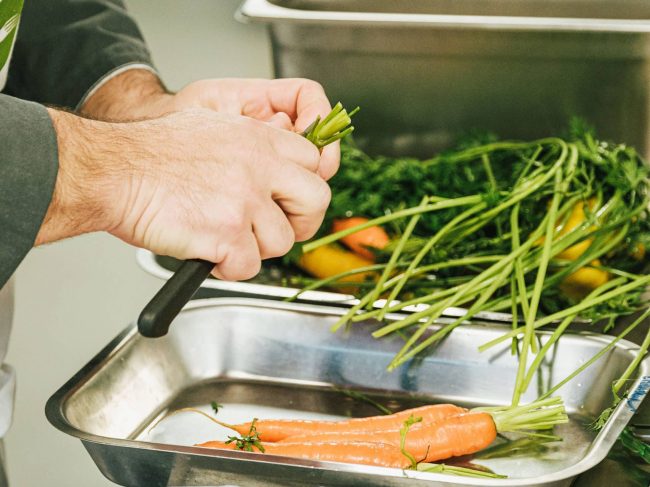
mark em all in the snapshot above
pixel 302 99
pixel 329 160
pixel 280 120
pixel 293 148
pixel 275 236
pixel 240 258
pixel 303 196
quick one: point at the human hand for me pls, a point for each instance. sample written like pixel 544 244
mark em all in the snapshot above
pixel 194 184
pixel 291 104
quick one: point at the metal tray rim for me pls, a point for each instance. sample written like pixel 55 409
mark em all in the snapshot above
pixel 147 260
pixel 265 11
pixel 596 452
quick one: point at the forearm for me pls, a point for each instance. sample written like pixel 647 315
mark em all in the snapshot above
pixel 132 95
pixel 91 165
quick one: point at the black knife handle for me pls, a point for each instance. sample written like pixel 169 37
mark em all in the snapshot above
pixel 158 314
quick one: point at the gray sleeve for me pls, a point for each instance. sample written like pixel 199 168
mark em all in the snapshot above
pixel 64 47
pixel 28 169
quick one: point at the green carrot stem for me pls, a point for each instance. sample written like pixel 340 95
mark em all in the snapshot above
pixel 192 410
pixel 345 319
pixel 336 109
pixel 440 205
pixel 426 249
pixel 396 253
pixel 538 415
pixel 408 351
pixel 643 350
pixel 575 309
pixel 455 470
pixel 641 281
pixel 561 182
pixel 561 328
pixel 333 127
pixel 525 190
pixel 514 309
pixel 485 159
pixel 328 280
pixel 558 246
pixel 465 261
pixel 338 136
pixel 453 296
pixel 364 300
pixel 599 354
pixel 519 273
pixel 474 152
pixel 472 287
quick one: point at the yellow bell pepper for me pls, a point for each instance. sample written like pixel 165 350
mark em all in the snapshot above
pixel 584 280
pixel 330 260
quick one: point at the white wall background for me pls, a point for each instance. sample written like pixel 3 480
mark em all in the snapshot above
pixel 73 297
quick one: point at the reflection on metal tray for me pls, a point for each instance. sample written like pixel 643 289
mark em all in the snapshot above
pixel 270 284
pixel 265 358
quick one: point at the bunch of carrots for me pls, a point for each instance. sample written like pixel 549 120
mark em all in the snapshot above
pixel 550 230
pixel 400 440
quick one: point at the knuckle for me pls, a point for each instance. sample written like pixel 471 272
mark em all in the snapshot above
pixel 284 243
pixel 313 156
pixel 240 269
pixel 233 220
pixel 306 229
pixel 250 270
pixel 322 197
pixel 280 243
pixel 311 84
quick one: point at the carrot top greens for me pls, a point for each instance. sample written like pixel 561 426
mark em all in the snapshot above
pixel 403 432
pixel 549 230
pixel 335 126
pixel 248 441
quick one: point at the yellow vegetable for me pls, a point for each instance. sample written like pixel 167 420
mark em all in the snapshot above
pixel 330 260
pixel 581 282
pixel 576 218
pixel 586 279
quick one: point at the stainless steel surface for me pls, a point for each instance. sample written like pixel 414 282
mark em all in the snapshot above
pixel 269 286
pixel 426 71
pixel 256 355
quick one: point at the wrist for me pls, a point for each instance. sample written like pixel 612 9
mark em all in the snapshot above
pixel 134 94
pixel 87 182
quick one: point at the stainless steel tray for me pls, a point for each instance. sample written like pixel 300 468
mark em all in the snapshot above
pixel 268 285
pixel 425 70
pixel 252 355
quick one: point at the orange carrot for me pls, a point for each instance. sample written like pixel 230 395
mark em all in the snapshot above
pixel 360 242
pixel 452 436
pixel 364 453
pixel 279 429
pixel 406 442
pixel 460 435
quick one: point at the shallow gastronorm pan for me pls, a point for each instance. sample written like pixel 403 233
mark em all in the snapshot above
pixel 266 358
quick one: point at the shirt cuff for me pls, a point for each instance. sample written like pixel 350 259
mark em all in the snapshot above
pixel 112 74
pixel 29 163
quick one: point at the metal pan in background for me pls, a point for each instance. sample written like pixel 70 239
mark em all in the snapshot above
pixel 425 71
pixel 265 358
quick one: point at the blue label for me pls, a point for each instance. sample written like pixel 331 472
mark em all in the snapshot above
pixel 639 393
